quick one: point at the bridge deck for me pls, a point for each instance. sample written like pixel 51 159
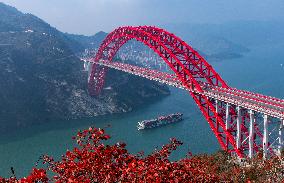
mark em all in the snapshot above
pixel 271 106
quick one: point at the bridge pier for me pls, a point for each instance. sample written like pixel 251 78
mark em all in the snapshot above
pixel 227 116
pixel 280 137
pixel 85 65
pixel 251 133
pixel 90 71
pixel 239 118
pixel 217 112
pixel 216 107
pixel 265 136
pixel 88 67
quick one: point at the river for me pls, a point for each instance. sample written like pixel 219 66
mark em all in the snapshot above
pixel 259 70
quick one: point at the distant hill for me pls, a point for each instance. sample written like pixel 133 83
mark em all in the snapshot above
pixel 236 36
pixel 41 79
pixel 203 38
pixel 12 20
pixel 213 45
pixel 89 42
pixel 251 33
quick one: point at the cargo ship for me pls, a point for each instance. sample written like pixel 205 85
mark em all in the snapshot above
pixel 161 120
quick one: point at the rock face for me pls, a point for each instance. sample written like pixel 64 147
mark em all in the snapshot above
pixel 41 79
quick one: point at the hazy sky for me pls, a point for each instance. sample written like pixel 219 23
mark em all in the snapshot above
pixel 91 16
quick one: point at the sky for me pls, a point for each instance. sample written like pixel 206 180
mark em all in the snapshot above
pixel 90 16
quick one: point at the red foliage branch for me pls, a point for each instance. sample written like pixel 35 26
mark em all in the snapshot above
pixel 92 161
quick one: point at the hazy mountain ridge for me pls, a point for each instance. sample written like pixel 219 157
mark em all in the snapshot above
pixel 251 33
pixel 13 20
pixel 41 79
pixel 211 45
pixel 89 42
pixel 243 34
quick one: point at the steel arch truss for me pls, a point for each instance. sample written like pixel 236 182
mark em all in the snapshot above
pixel 229 123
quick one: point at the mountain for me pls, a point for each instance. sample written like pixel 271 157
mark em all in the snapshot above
pixel 42 80
pixel 202 37
pixel 230 37
pixel 251 33
pixel 211 44
pixel 88 42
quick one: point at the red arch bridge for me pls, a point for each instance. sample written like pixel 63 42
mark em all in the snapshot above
pixel 243 122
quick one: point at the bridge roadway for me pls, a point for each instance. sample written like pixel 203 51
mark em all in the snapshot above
pixel 270 106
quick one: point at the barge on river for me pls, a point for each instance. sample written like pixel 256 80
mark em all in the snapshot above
pixel 161 120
